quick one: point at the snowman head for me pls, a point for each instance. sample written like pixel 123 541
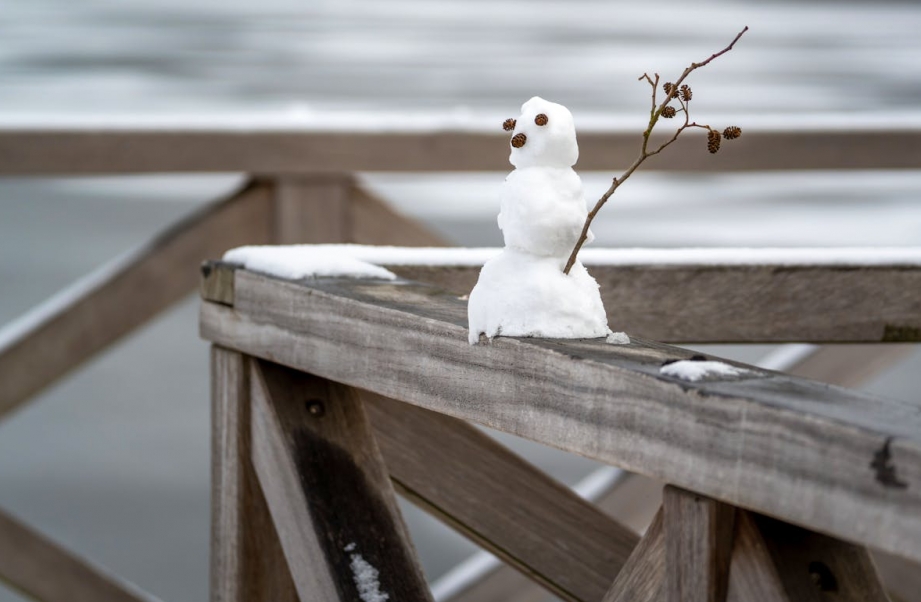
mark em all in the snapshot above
pixel 543 135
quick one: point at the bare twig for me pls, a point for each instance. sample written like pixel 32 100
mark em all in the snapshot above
pixel 645 153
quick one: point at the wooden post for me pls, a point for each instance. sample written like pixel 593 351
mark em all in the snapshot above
pixel 328 490
pixel 313 209
pixel 246 559
pixel 698 546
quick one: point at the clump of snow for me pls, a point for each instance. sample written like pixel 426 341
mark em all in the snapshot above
pixel 522 295
pixel 696 370
pixel 543 210
pixel 550 145
pixel 523 291
pixel 617 338
pixel 366 578
pixel 305 261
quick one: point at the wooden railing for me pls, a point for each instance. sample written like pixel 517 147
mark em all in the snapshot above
pixel 302 190
pixel 378 375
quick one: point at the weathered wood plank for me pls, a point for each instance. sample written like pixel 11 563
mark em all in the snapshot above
pixel 698 546
pixel 743 304
pixel 312 209
pixel 507 506
pixel 633 500
pixel 68 329
pixel 39 568
pixel 76 150
pixel 328 490
pixel 842 462
pixel 247 562
pixel 643 577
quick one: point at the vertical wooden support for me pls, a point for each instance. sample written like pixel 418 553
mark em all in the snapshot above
pixel 246 558
pixel 313 209
pixel 328 490
pixel 698 546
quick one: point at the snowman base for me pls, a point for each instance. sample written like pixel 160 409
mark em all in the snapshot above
pixel 522 295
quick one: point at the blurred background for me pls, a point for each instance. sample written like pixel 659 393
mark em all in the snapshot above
pixel 114 461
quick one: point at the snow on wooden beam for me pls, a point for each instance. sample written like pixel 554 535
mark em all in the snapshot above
pixel 838 461
pixel 725 295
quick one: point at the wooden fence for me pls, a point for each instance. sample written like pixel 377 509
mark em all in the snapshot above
pixel 302 190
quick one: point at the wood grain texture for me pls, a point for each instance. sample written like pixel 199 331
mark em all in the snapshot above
pixel 247 562
pixel 643 577
pixel 698 546
pixel 743 304
pixel 374 222
pixel 78 150
pixel 312 209
pixel 469 481
pixel 41 569
pixel 811 454
pixel 328 490
pixel 111 303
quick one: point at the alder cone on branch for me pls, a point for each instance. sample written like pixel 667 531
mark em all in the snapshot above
pixel 732 132
pixel 713 141
pixel 668 112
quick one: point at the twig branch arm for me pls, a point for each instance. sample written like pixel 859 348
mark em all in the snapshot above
pixel 645 153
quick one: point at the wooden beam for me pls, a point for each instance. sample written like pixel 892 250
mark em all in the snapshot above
pixel 70 328
pixel 643 577
pixel 247 562
pixel 466 479
pixel 634 499
pixel 742 303
pixel 102 150
pixel 698 546
pixel 41 569
pixel 842 462
pixel 312 209
pixel 328 491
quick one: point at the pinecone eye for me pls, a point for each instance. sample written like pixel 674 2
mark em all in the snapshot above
pixel 541 119
pixel 518 140
pixel 508 125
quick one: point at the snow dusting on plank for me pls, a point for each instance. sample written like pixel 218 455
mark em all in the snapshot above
pixel 694 371
pixel 366 578
pixel 477 256
pixel 295 262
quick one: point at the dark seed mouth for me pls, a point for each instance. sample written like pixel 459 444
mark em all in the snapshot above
pixel 518 140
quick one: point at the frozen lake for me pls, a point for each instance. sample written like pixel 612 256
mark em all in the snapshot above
pixel 114 460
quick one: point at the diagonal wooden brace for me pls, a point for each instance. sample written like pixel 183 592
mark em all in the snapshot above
pixel 328 490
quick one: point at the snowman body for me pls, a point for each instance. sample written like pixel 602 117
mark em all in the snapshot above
pixel 523 290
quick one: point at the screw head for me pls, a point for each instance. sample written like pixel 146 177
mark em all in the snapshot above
pixel 316 408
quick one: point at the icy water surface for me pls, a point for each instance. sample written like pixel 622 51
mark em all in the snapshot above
pixel 113 462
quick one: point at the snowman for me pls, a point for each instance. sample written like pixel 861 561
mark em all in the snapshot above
pixel 523 291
